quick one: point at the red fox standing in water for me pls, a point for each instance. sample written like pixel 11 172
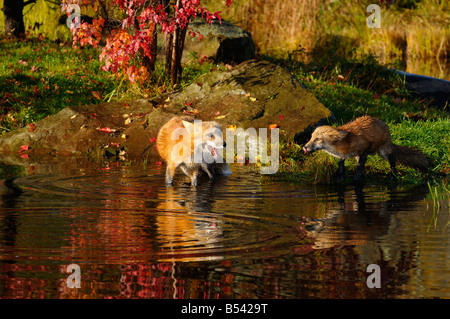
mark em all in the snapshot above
pixel 189 151
pixel 365 135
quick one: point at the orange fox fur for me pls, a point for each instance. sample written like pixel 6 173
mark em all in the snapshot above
pixel 212 140
pixel 359 138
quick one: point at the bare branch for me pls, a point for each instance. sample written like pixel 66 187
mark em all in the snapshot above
pixel 29 2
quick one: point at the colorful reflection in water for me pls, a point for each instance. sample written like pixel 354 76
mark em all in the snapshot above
pixel 243 236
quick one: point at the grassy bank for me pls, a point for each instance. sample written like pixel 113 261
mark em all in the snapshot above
pixel 39 78
pixel 412 122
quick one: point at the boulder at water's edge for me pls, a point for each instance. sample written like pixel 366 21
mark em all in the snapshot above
pixel 254 94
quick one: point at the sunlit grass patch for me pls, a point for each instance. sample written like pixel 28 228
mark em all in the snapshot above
pixel 39 78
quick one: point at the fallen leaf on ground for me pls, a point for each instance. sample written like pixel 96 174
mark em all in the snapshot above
pixel 97 95
pixel 32 127
pixel 106 129
pixel 23 148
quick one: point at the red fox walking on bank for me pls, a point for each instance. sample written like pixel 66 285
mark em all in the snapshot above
pixel 359 138
pixel 177 146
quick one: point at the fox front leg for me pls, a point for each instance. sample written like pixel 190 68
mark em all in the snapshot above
pixel 205 168
pixel 360 168
pixel 194 177
pixel 340 174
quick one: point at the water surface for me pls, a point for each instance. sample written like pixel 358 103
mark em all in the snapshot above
pixel 243 236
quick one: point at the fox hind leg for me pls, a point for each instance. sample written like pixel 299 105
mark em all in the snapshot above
pixel 170 173
pixel 393 173
pixel 387 154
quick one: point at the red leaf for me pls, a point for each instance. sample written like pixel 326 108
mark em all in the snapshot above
pixel 105 129
pixel 152 139
pixel 32 127
pixel 23 148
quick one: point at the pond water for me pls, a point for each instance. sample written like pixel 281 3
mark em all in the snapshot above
pixel 243 236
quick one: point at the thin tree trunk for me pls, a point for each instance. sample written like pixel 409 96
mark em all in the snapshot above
pixel 169 54
pixel 174 65
pixel 154 47
pixel 177 51
pixel 166 4
pixel 12 10
pixel 180 50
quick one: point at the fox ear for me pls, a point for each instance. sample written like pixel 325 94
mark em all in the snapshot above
pixel 188 126
pixel 342 134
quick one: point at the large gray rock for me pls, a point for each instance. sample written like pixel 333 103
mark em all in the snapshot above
pixel 253 94
pixel 222 41
pixel 437 91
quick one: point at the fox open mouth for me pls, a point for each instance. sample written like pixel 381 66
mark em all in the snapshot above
pixel 213 151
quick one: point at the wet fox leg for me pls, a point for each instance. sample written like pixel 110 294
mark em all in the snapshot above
pixel 205 168
pixel 194 176
pixel 387 154
pixel 191 172
pixel 360 168
pixel 340 174
pixel 170 173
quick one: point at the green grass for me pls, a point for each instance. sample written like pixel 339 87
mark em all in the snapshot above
pixel 38 78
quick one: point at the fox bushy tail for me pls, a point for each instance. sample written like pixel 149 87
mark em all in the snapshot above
pixel 411 157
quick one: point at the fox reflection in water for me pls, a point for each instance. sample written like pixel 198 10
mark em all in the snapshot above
pixel 363 218
pixel 186 227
